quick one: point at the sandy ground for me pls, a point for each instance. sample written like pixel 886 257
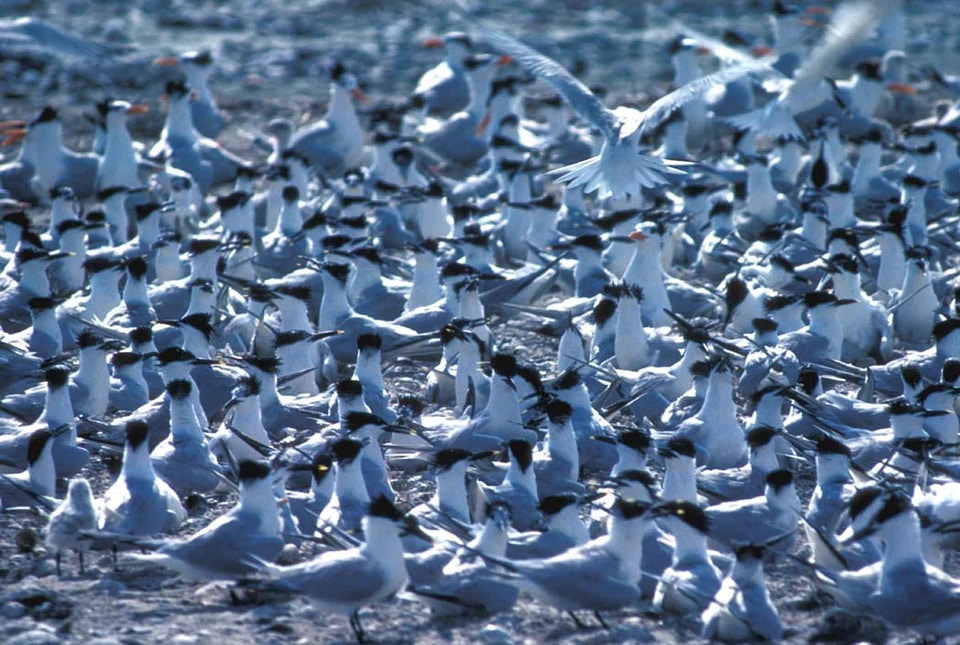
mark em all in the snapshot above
pixel 270 57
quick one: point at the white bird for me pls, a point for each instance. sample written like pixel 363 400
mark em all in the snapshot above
pixel 620 169
pixel 139 503
pixel 345 581
pixel 231 546
pixel 742 609
pixel 71 521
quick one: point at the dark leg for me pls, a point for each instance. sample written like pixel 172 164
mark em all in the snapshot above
pixel 59 573
pixel 579 622
pixel 602 621
pixel 80 557
pixel 357 627
pixel 114 556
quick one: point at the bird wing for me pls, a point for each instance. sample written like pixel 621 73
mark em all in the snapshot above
pixel 852 23
pixel 51 37
pixel 660 109
pixel 576 94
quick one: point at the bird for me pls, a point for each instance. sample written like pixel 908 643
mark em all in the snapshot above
pixel 345 581
pixel 234 544
pixel 72 521
pixel 742 609
pixel 619 170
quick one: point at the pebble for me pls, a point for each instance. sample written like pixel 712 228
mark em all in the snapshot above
pixel 289 555
pixel 495 634
pixel 34 637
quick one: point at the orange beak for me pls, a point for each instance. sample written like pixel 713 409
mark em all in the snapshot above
pixel 761 50
pixel 819 10
pixel 432 43
pixel 138 108
pixel 13 136
pixel 811 22
pixel 359 96
pixel 6 125
pixel 637 236
pixel 484 123
pixel 703 51
pixel 901 88
pixel 504 60
pixel 170 61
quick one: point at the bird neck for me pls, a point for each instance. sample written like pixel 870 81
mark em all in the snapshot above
pixel 118 166
pixel 847 286
pixel 492 540
pixel 425 289
pixel 840 207
pixel 761 195
pixel 58 408
pixel 203 266
pixel 290 221
pixel 350 483
pixel 790 161
pixel 383 543
pixel 104 293
pixel 567 522
pixel 43 472
pixel 179 123
pixel 135 293
pixel 691 545
pixel 184 425
pixel 45 325
pixel 718 401
pixel 630 345
pixel 451 495
pixel 248 419
pixel 570 351
pixel 902 539
pixel 258 499
pixel 770 411
pixel 369 274
pixel 368 370
pixel 763 459
pixel 34 280
pixel 334 306
pixel 832 469
pixel 522 479
pixel 679 479
pixel 342 111
pixel 562 446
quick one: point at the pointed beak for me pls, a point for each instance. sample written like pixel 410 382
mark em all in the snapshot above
pixel 138 108
pixel 167 61
pixel 359 96
pixel 17 123
pixel 12 136
pixel 504 60
pixel 432 43
pixel 901 88
pixel 761 50
pixel 484 123
pixel 637 236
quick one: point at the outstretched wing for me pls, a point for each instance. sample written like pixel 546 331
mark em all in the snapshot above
pixel 853 23
pixel 55 39
pixel 575 93
pixel 660 109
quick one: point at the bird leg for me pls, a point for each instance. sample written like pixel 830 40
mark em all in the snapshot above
pixel 58 564
pixel 80 557
pixel 580 624
pixel 602 621
pixel 357 627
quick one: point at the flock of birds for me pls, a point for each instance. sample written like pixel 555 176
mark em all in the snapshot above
pixel 751 277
